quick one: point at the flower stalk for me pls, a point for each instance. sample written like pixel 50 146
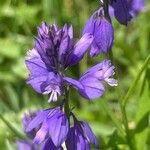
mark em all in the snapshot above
pixel 66 105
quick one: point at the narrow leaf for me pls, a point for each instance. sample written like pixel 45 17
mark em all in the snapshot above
pixel 133 85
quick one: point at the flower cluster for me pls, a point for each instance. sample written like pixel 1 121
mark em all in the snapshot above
pixel 54 51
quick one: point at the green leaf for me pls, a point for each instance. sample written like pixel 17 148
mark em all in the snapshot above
pixel 13 98
pixel 133 85
pixel 113 140
pixel 12 128
pixel 142 116
pixel 113 117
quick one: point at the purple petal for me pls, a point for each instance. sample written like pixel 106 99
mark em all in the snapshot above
pixel 27 118
pixel 36 82
pixel 121 11
pixel 95 50
pixel 103 37
pixel 80 49
pixel 49 145
pixel 41 134
pixel 43 30
pixel 94 69
pixel 102 70
pixel 36 66
pixel 26 121
pixel 89 88
pixel 41 116
pixel 45 48
pixel 74 83
pixel 64 47
pixel 89 27
pixel 89 134
pixel 68 30
pixel 93 88
pixel 76 140
pixel 82 143
pixel 102 31
pixel 24 145
pixel 71 140
pixel 58 127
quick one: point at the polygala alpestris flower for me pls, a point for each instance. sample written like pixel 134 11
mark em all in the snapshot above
pixel 27 118
pixel 122 11
pixel 53 123
pixel 80 136
pixel 125 10
pixel 53 52
pixel 90 83
pixel 27 144
pixel 102 31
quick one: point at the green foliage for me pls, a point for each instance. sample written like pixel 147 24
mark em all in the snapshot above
pixel 117 126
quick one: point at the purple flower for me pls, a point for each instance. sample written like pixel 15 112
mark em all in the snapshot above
pixel 136 6
pixel 53 122
pixel 80 137
pixel 103 33
pixel 89 84
pixel 125 10
pixel 28 144
pixel 122 11
pixel 53 52
pixel 26 121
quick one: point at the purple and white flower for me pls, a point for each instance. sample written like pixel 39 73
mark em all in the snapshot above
pixel 53 123
pixel 90 83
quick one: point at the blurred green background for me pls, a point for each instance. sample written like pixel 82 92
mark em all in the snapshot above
pixel 18 23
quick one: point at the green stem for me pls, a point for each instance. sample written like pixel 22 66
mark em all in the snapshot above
pixel 113 117
pixel 66 105
pixel 129 138
pixel 13 129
